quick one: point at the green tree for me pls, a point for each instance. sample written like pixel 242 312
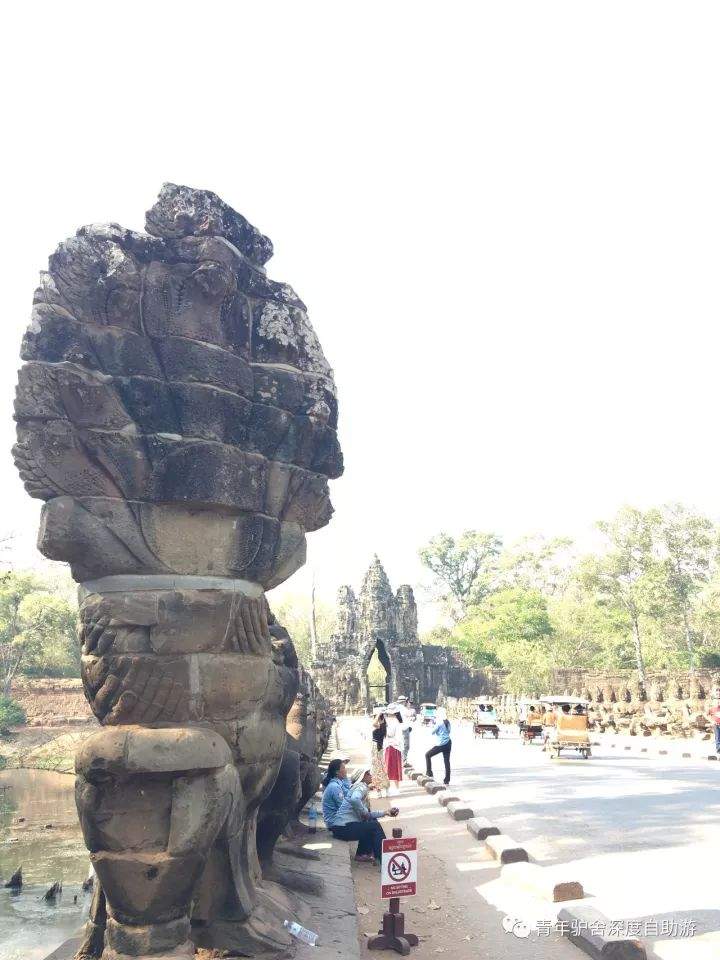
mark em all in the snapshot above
pixel 11 715
pixel 688 548
pixel 510 629
pixel 465 569
pixel 627 573
pixel 294 612
pixel 537 563
pixel 37 627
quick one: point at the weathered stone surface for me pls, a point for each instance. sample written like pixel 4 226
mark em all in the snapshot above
pixel 448 797
pixel 139 388
pixel 481 828
pixel 592 932
pixel 547 882
pixel 505 849
pixel 147 887
pixel 177 414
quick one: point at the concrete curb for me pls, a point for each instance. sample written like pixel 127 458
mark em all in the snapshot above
pixel 481 828
pixel 675 749
pixel 543 882
pixel 505 849
pixel 593 939
pixel 459 810
pixel 433 787
pixel 445 798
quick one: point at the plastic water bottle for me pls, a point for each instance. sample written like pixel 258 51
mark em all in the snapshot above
pixel 312 818
pixel 301 933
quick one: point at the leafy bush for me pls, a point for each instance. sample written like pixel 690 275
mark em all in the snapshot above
pixel 11 714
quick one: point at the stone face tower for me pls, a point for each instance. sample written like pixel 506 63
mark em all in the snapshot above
pixel 381 620
pixel 178 417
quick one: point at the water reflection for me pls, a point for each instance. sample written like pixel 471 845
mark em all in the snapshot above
pixel 30 928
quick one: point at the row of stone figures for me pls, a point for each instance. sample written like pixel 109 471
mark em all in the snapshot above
pixel 678 709
pixel 176 413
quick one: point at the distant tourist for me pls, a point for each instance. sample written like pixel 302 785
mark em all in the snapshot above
pixel 715 717
pixel 408 719
pixel 356 821
pixel 441 732
pixel 377 758
pixel 336 787
pixel 393 751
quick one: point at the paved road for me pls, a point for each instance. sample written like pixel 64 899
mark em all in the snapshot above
pixel 643 835
pixel 606 804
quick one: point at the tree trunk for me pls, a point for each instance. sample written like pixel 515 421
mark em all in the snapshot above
pixel 638 650
pixel 689 641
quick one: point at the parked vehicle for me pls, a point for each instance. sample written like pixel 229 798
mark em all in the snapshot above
pixel 566 726
pixel 485 720
pixel 427 713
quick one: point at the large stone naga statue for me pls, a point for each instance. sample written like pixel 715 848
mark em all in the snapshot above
pixel 176 414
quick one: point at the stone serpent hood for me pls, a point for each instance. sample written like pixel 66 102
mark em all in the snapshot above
pixel 174 407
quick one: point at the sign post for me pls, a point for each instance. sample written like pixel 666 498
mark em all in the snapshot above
pixel 398 878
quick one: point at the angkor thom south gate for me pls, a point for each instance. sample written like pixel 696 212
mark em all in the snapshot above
pixel 381 620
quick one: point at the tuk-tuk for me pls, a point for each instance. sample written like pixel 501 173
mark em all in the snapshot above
pixel 427 713
pixel 530 720
pixel 566 725
pixel 485 720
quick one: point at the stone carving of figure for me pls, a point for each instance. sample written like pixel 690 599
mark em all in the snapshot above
pixel 178 417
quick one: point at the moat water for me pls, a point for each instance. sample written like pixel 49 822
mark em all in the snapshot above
pixel 30 929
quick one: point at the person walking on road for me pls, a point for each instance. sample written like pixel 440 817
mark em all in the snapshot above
pixel 715 717
pixel 441 732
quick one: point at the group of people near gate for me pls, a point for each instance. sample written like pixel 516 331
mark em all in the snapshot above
pixel 346 807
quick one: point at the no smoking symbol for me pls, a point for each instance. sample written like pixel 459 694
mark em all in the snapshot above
pixel 399 867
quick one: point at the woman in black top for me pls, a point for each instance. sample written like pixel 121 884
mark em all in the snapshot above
pixel 379 730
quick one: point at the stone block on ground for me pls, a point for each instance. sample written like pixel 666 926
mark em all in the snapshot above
pixel 433 787
pixel 505 849
pixel 549 883
pixel 460 811
pixel 448 797
pixel 587 928
pixel 416 775
pixel 481 828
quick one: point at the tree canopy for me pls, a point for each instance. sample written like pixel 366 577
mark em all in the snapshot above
pixel 648 597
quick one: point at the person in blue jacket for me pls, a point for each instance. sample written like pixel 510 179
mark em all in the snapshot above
pixel 336 787
pixel 443 745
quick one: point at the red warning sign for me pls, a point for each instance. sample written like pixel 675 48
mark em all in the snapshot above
pixel 398 875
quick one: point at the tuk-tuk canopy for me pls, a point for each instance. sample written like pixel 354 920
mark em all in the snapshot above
pixel 559 701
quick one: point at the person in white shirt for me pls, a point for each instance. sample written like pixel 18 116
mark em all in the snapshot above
pixel 408 719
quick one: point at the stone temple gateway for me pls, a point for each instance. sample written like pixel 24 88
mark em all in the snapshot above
pixel 386 621
pixel 177 415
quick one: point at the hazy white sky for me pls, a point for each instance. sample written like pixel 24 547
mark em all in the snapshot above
pixel 502 216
